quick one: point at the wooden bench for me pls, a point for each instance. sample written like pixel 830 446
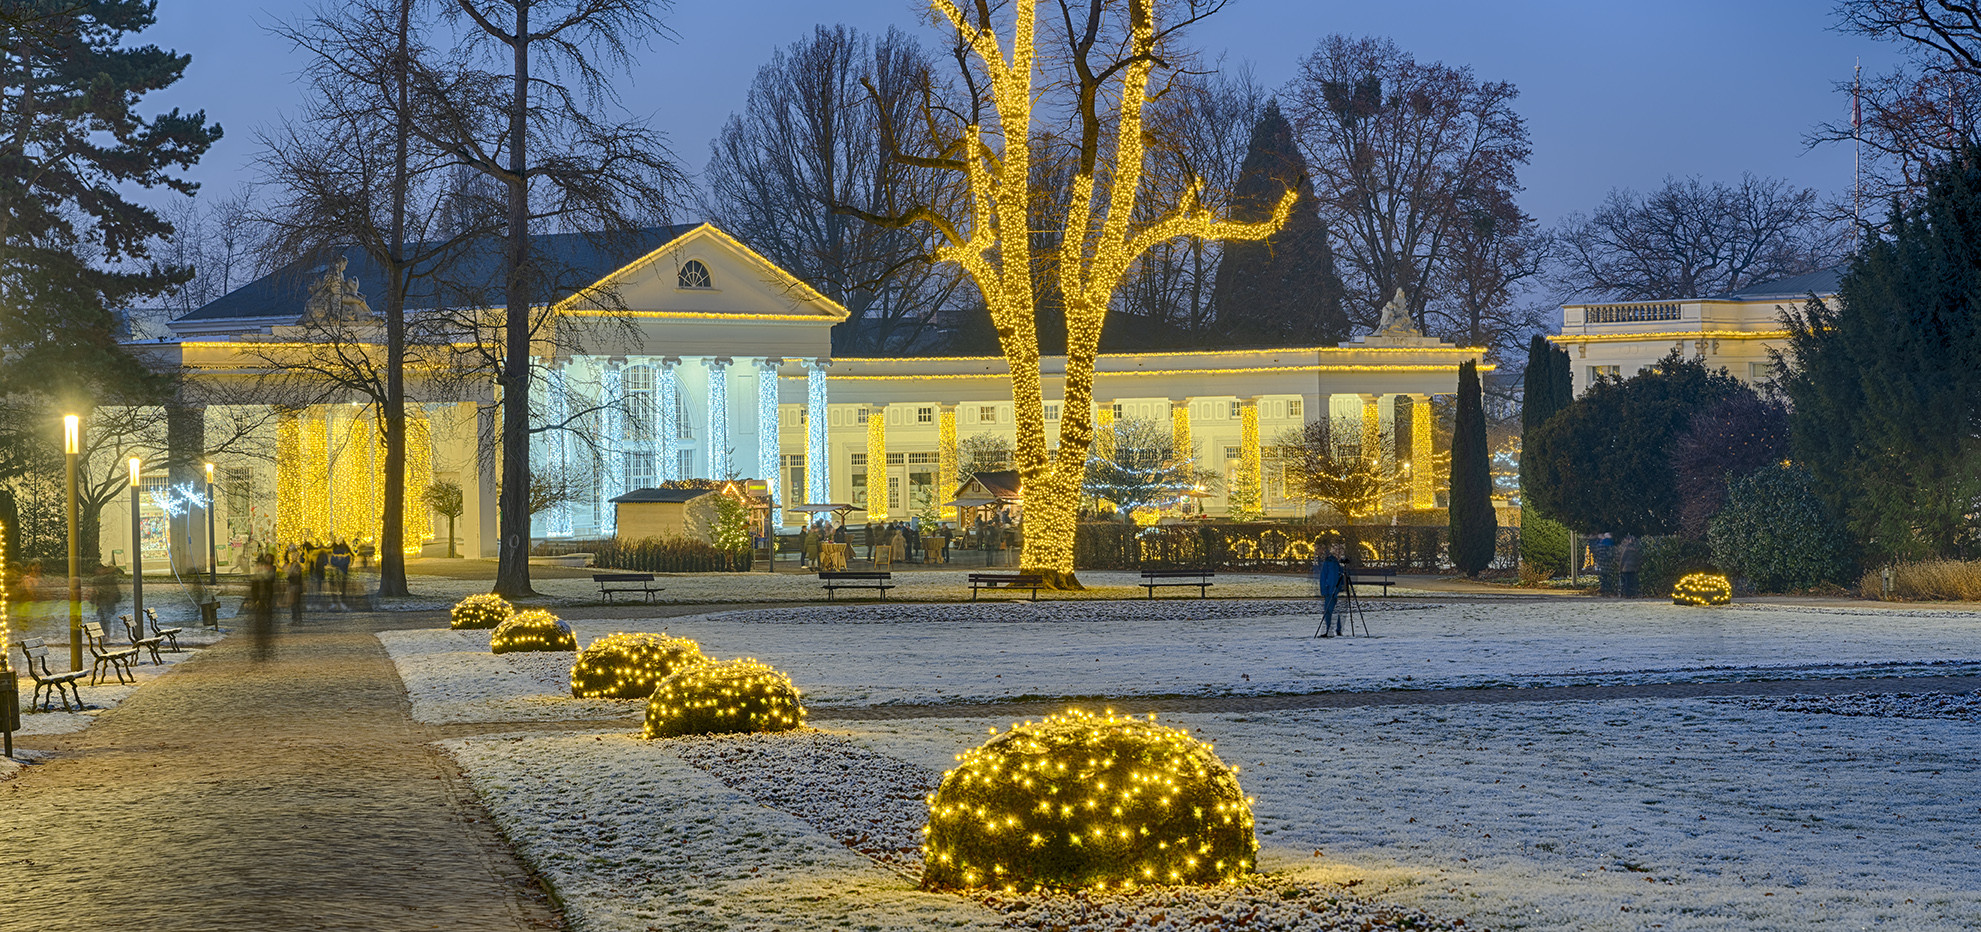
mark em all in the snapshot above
pixel 841 579
pixel 1384 576
pixel 1030 581
pixel 119 660
pixel 141 642
pixel 1153 579
pixel 47 683
pixel 610 584
pixel 171 635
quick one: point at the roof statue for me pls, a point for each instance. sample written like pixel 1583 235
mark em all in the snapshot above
pixel 1396 320
pixel 336 297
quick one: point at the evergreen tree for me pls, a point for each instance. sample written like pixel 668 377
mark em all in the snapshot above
pixel 1886 394
pixel 1281 290
pixel 1474 527
pixel 1548 388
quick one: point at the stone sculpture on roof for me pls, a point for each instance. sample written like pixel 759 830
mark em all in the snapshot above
pixel 336 297
pixel 1396 320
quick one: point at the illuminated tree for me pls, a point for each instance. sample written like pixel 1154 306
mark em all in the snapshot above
pixel 1102 77
pixel 1141 468
pixel 1318 467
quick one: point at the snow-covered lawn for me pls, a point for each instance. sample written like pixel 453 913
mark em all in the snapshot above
pixel 1673 814
pixel 890 654
pixel 101 698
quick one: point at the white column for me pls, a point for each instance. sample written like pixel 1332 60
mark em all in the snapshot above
pixel 612 445
pixel 767 434
pixel 484 540
pixel 718 416
pixel 667 397
pixel 818 448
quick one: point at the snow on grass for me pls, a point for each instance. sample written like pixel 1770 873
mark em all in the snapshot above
pixel 860 655
pixel 96 699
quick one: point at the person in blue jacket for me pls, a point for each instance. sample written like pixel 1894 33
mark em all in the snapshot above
pixel 1328 574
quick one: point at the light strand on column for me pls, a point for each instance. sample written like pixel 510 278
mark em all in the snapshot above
pixel 1247 487
pixel 767 434
pixel 1423 461
pixel 668 437
pixel 946 460
pixel 877 463
pixel 557 458
pixel 611 441
pixel 718 418
pixel 818 450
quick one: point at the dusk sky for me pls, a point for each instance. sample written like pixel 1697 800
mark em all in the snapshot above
pixel 1614 94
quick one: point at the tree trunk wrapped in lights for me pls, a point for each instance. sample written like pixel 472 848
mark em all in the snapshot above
pixel 1099 238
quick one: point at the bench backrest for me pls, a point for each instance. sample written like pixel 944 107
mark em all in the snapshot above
pixel 1164 574
pixel 1022 579
pixel 93 630
pixel 621 577
pixel 1371 571
pixel 840 574
pixel 37 661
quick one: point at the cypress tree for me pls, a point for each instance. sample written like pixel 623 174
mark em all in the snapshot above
pixel 1282 289
pixel 1474 527
pixel 1549 387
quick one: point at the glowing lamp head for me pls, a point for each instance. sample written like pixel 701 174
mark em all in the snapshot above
pixel 137 470
pixel 72 434
pixel 209 473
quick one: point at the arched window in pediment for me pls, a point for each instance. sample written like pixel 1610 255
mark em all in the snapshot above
pixel 694 274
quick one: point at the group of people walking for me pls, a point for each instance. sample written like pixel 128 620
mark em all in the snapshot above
pixel 1617 564
pixel 300 575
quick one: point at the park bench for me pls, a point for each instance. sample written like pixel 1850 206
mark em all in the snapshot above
pixel 118 660
pixel 1030 581
pixel 141 642
pixel 610 584
pixel 842 579
pixel 1384 576
pixel 171 635
pixel 47 683
pixel 1154 579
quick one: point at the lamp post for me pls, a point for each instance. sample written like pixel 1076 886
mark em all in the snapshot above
pixel 72 448
pixel 212 546
pixel 137 548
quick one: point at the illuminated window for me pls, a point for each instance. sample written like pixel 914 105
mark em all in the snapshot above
pixel 1600 372
pixel 924 415
pixel 694 274
pixel 987 414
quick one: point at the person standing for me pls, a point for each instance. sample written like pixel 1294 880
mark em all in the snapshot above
pixel 261 592
pixel 1630 560
pixel 1606 565
pixel 293 576
pixel 105 591
pixel 1329 576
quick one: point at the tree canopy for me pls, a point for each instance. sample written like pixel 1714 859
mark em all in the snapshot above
pixel 1281 290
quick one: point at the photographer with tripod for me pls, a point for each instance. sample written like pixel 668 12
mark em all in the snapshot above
pixel 1329 575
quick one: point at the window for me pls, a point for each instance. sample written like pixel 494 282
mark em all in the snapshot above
pixel 924 415
pixel 1293 408
pixel 859 483
pixel 639 471
pixel 1598 372
pixel 693 274
pixel 804 416
pixel 986 414
pixel 859 459
pixel 921 459
pixel 1231 453
pixel 1237 409
pixel 897 459
pixel 1116 409
pixel 794 471
pixel 684 464
pixel 640 413
pixel 1760 371
pixel 861 415
pixel 1052 412
pixel 894 493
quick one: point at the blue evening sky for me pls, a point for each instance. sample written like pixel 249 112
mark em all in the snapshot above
pixel 1615 94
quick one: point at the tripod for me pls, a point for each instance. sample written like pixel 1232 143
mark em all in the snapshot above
pixel 1349 605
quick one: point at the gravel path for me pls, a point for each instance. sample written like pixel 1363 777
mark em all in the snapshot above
pixel 292 794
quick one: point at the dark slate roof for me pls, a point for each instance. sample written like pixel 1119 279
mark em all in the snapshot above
pixel 1825 281
pixel 670 496
pixel 1002 483
pixel 474 278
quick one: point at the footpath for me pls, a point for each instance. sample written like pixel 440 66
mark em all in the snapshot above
pixel 292 793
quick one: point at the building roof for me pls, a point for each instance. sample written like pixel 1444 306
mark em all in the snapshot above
pixel 474 278
pixel 1002 484
pixel 1823 281
pixel 665 496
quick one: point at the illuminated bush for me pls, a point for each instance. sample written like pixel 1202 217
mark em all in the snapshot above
pixel 628 666
pixel 480 611
pixel 535 629
pixel 1702 589
pixel 720 698
pixel 1087 801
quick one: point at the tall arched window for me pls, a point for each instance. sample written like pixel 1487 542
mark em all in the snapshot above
pixel 694 275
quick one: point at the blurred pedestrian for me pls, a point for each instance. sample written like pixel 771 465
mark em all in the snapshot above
pixel 105 591
pixel 261 593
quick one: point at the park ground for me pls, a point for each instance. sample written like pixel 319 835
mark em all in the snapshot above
pixel 1490 757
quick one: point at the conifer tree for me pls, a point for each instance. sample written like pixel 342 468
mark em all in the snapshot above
pixel 1474 527
pixel 1281 290
pixel 1549 387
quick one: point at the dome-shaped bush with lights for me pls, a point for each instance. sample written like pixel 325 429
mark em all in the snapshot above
pixel 1702 589
pixel 1084 801
pixel 628 666
pixel 722 698
pixel 480 611
pixel 535 629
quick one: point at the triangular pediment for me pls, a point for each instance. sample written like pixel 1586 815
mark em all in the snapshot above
pixel 705 273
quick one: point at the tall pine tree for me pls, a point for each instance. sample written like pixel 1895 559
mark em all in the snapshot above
pixel 1281 290
pixel 1474 527
pixel 1548 387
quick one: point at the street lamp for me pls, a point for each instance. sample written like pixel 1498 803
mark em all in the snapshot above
pixel 72 448
pixel 212 546
pixel 137 549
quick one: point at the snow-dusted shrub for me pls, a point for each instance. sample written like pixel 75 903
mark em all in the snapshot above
pixel 535 629
pixel 1775 534
pixel 720 698
pixel 480 611
pixel 628 666
pixel 1083 801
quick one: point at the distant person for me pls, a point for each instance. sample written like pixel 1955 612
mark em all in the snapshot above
pixel 105 591
pixel 1330 578
pixel 340 571
pixel 1606 565
pixel 292 577
pixel 1629 559
pixel 261 592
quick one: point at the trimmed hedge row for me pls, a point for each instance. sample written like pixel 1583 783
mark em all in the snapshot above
pixel 669 555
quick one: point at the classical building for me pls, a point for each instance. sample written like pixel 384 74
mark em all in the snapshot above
pixel 1734 331
pixel 677 354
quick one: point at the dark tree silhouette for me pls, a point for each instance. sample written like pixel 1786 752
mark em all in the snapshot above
pixel 1474 527
pixel 1281 290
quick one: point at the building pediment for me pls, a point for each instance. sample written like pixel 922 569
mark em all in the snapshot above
pixel 703 274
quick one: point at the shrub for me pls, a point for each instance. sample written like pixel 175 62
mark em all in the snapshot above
pixel 669 555
pixel 480 611
pixel 1085 801
pixel 1669 559
pixel 1774 533
pixel 1929 579
pixel 1543 545
pixel 535 629
pixel 1702 589
pixel 629 666
pixel 723 698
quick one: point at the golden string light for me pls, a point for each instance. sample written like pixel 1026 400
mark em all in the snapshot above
pixel 946 459
pixel 480 612
pixel 1080 801
pixel 532 630
pixel 629 666
pixel 1248 486
pixel 1702 589
pixel 877 463
pixel 1423 471
pixel 723 698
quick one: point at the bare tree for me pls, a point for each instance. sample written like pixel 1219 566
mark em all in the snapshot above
pixel 1495 253
pixel 1925 110
pixel 220 241
pixel 809 138
pixel 1401 152
pixel 1693 239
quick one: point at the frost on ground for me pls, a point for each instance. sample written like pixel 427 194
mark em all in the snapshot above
pixel 96 700
pixel 910 654
pixel 1889 705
